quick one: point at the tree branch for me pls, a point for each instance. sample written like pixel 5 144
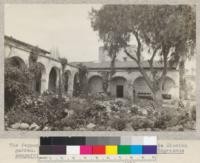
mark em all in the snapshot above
pixel 129 55
pixel 151 62
pixel 153 55
pixel 141 69
pixel 139 45
pixel 113 64
pixel 165 54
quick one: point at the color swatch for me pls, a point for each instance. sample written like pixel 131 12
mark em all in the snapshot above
pixel 111 149
pixel 136 149
pixel 98 150
pixel 124 149
pixel 98 145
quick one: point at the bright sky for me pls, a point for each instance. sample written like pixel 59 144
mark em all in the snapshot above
pixel 66 27
pixel 63 26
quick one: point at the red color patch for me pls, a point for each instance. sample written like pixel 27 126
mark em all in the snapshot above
pixel 100 149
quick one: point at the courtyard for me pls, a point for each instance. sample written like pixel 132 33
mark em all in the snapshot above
pixel 140 78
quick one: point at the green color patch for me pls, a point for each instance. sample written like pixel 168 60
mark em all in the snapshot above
pixel 124 149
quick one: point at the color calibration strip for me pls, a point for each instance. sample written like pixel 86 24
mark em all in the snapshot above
pixel 71 148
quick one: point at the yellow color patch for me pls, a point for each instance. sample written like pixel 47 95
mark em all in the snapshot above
pixel 111 149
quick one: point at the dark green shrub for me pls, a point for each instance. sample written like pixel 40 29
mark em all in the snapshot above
pixel 17 84
pixel 41 110
pixel 119 124
pixel 162 119
pixel 140 122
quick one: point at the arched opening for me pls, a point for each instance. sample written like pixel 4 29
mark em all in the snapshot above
pixel 118 87
pixel 53 79
pixel 95 85
pixel 17 80
pixel 168 88
pixel 141 89
pixel 66 78
pixel 16 62
pixel 76 85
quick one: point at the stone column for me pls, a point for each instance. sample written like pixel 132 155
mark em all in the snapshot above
pixel 57 78
pixel 43 84
pixel 130 89
pixel 70 85
pixel 45 81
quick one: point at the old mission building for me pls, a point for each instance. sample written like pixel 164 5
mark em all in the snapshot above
pixel 127 81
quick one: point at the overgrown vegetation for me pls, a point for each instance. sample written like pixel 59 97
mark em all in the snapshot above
pixel 83 84
pixel 50 112
pixel 17 83
pixel 166 31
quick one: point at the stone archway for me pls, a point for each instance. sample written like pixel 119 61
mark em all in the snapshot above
pixel 118 87
pixel 16 62
pixel 141 89
pixel 168 88
pixel 95 84
pixel 53 79
pixel 17 80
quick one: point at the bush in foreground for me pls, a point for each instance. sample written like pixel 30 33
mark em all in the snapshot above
pixel 50 112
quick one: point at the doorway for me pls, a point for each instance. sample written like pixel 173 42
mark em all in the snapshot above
pixel 120 91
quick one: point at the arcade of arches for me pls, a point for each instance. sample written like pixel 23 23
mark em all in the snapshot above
pixel 128 83
pixel 40 76
pixel 119 87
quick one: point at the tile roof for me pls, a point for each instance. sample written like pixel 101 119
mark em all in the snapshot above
pixel 118 64
pixel 9 38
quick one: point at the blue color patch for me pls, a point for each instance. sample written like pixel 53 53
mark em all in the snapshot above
pixel 136 149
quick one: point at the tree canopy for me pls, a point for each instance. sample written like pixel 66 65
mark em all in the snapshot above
pixel 165 29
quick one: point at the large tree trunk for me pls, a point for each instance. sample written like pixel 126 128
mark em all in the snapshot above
pixel 158 94
pixel 155 87
pixel 156 90
pixel 112 65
